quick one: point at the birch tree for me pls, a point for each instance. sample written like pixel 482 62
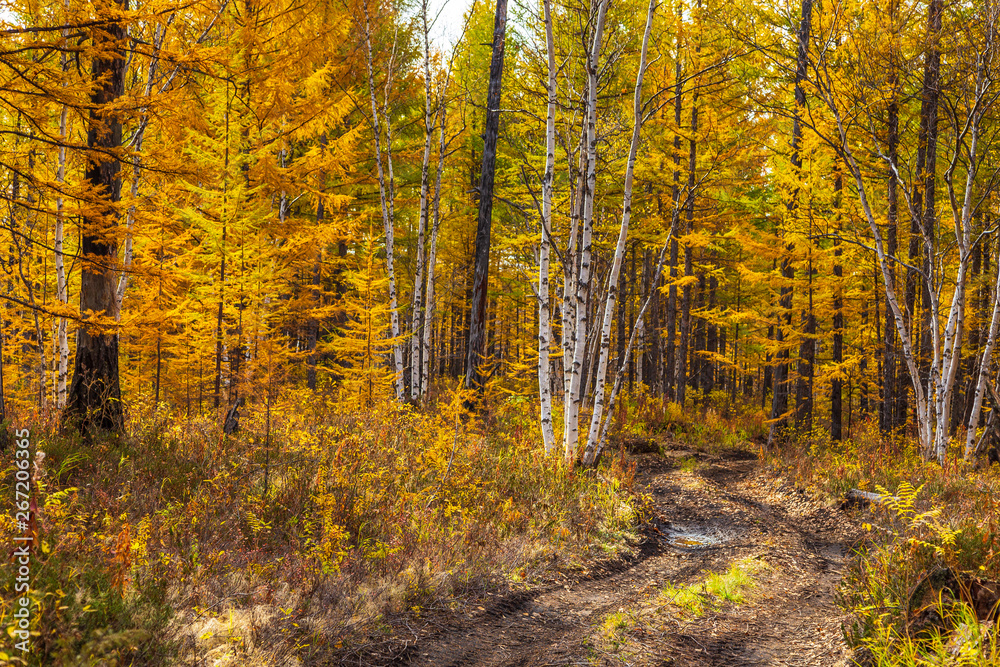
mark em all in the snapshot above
pixel 418 307
pixel 612 284
pixel 984 376
pixel 947 315
pixel 544 327
pixel 386 201
pixel 571 433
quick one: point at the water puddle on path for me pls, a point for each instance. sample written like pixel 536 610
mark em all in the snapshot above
pixel 695 537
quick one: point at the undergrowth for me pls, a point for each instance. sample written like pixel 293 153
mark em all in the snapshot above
pixel 922 585
pixel 301 537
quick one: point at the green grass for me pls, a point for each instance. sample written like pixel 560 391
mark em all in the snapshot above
pixel 686 598
pixel 689 463
pixel 717 588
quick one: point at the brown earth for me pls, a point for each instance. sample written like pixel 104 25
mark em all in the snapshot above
pixel 706 511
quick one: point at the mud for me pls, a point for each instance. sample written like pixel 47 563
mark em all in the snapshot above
pixel 703 517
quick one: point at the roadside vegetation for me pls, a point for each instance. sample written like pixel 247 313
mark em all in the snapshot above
pixel 923 585
pixel 304 538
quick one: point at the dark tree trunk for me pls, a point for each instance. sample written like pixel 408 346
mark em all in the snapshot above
pixel 675 193
pixel 711 342
pixel 894 400
pixel 681 370
pixel 95 394
pixel 645 351
pixel 863 402
pixel 631 360
pixel 653 337
pixel 779 400
pixel 929 128
pixel 3 399
pixel 623 303
pixel 697 372
pixel 837 384
pixel 491 127
pixel 779 404
pixel 767 381
pixel 807 357
pixel 312 325
pixel 924 202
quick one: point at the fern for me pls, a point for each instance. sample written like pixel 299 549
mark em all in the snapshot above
pixel 903 503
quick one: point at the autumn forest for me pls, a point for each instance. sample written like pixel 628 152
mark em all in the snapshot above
pixel 383 304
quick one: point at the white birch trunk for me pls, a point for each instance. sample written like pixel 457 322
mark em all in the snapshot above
pixel 386 201
pixel 417 309
pixel 544 326
pixel 571 273
pixel 934 408
pixel 572 427
pixel 61 354
pixel 984 371
pixel 609 306
pixel 432 255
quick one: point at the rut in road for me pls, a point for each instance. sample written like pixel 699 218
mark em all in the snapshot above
pixel 706 514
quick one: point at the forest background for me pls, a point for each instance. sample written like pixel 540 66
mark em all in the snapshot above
pixel 780 213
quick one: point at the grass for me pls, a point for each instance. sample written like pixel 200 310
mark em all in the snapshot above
pixel 688 599
pixel 299 539
pixel 617 632
pixel 689 463
pixel 718 587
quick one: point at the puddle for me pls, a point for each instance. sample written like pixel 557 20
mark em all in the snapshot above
pixel 695 537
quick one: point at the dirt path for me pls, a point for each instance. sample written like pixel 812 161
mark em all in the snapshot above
pixel 708 512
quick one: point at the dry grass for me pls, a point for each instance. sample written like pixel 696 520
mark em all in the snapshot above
pixel 294 544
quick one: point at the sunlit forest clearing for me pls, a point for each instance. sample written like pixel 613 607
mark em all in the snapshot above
pixel 600 332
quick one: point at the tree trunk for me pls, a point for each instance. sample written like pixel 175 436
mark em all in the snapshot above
pixel 477 326
pixel 429 304
pixel 95 395
pixel 837 383
pixel 60 355
pixel 929 135
pixel 544 327
pixel 312 326
pixel 779 404
pixel 681 360
pixel 984 376
pixel 711 342
pixel 417 307
pixel 386 197
pixel 571 434
pixel 894 398
pixel 779 396
pixel 612 282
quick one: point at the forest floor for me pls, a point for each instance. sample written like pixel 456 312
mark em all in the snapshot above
pixel 706 512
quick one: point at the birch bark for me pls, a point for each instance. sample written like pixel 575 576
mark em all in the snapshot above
pixel 418 306
pixel 933 405
pixel 385 199
pixel 572 402
pixel 61 353
pixel 984 371
pixel 428 313
pixel 609 307
pixel 544 326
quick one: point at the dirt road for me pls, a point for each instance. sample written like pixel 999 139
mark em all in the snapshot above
pixel 708 512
